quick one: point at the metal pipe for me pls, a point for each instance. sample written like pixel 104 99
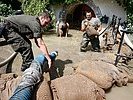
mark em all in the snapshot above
pixel 117 31
pixel 119 49
pixel 8 59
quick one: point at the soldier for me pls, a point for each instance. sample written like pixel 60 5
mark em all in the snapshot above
pixel 91 26
pixel 17 31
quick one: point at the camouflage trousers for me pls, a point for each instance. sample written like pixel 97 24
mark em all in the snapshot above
pixel 95 43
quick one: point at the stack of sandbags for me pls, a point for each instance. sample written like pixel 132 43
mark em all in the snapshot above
pixel 76 87
pixel 43 91
pixel 8 85
pixel 102 73
pixel 127 73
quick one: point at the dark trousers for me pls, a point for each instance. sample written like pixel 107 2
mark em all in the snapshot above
pixel 20 44
pixel 95 43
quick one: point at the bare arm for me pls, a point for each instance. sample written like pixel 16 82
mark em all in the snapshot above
pixel 40 43
pixel 83 26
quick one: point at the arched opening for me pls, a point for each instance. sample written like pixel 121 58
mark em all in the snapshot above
pixel 77 14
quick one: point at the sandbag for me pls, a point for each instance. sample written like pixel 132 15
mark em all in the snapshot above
pixel 102 73
pixel 89 28
pixel 10 87
pixel 4 78
pixel 127 74
pixel 43 92
pixel 76 87
pixel 91 31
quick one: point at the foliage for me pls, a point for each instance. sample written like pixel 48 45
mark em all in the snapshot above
pixel 34 7
pixel 65 1
pixel 5 10
pixel 129 9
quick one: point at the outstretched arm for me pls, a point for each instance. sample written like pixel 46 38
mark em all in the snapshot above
pixel 40 43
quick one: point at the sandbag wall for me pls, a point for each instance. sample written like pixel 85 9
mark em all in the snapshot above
pixel 88 82
pixel 71 87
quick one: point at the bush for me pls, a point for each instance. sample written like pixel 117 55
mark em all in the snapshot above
pixel 5 10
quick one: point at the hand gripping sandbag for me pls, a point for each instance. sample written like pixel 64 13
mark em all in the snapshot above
pixel 91 31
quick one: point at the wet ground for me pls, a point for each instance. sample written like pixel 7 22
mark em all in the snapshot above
pixel 69 55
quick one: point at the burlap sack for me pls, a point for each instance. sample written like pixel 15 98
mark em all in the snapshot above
pixel 3 80
pixel 76 87
pixel 43 92
pixel 91 31
pixel 8 83
pixel 10 86
pixel 102 73
pixel 126 75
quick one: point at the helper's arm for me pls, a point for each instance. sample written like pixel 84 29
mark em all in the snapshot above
pixel 83 26
pixel 40 43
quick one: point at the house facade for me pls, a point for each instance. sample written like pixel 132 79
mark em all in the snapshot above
pixel 75 13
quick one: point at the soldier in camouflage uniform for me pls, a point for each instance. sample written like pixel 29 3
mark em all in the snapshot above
pixel 91 26
pixel 19 28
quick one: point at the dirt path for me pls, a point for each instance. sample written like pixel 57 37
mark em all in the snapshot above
pixel 69 54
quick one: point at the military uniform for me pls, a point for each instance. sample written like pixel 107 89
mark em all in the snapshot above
pixel 91 34
pixel 17 31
